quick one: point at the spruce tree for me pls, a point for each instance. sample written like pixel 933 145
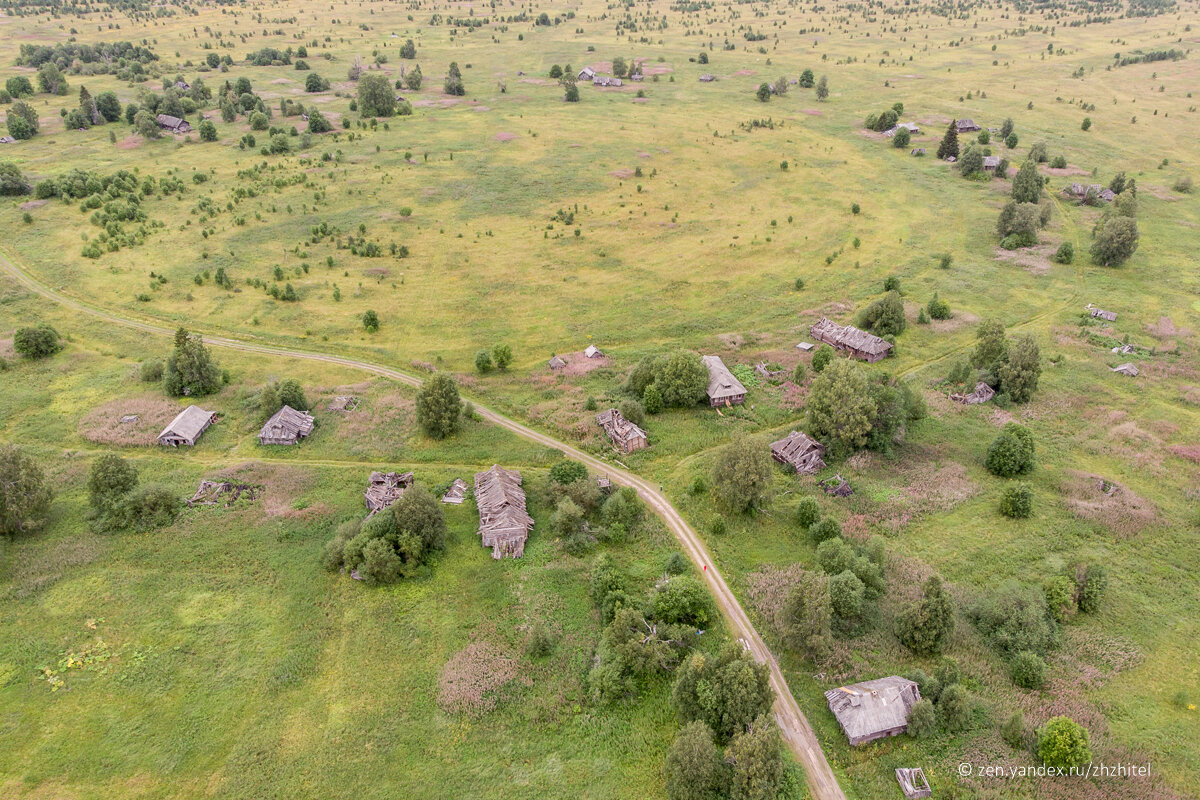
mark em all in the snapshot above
pixel 949 145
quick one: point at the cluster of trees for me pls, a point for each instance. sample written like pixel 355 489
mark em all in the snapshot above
pixel 104 107
pixel 847 411
pixel 676 380
pixel 397 542
pixel 1012 367
pixel 12 181
pixel 376 98
pixel 780 86
pixel 885 316
pixel 453 85
pixel 926 624
pixel 885 120
pixel 22 120
pixel 24 494
pixel 945 703
pixel 1115 234
pixel 499 357
pixel 275 395
pixel 117 502
pixel 583 515
pixel 190 370
pixel 78 57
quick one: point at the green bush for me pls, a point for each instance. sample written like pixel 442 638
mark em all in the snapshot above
pixel 1063 743
pixel 922 720
pixel 1065 253
pixel 825 529
pixel 1011 453
pixel 567 471
pixel 1013 731
pixel 954 708
pixel 1017 501
pixel 807 512
pixel 1028 670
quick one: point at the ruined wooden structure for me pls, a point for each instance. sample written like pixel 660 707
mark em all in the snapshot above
pixel 982 394
pixel 593 352
pixel 966 125
pixel 186 428
pixel 626 437
pixel 723 388
pixel 799 451
pixel 836 486
pixel 558 362
pixel 873 709
pixel 913 782
pixel 1100 313
pixel 173 124
pixel 849 339
pixel 504 524
pixel 1128 368
pixel 385 488
pixel 209 493
pixel 456 493
pixel 762 369
pixel 343 402
pixel 286 426
pixel 1090 192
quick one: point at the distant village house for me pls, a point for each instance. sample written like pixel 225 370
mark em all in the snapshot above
pixel 286 426
pixel 965 125
pixel 173 124
pixel 859 344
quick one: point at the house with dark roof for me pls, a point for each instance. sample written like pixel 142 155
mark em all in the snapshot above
pixel 723 388
pixel 799 451
pixel 286 426
pixel 850 339
pixel 186 427
pixel 873 709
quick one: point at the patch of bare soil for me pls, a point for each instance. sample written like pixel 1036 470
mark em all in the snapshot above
pixel 934 120
pixel 1165 329
pixel 812 112
pixel 32 204
pixel 103 425
pixel 6 349
pixel 731 340
pixel 601 66
pixel 481 108
pixel 1108 503
pixel 579 364
pixel 870 134
pixel 623 174
pixel 282 483
pixel 658 69
pixel 505 137
pixel 1061 172
pixel 475 678
pixel 745 72
pixel 929 488
pixel 641 99
pixel 831 309
pixel 959 320
pixel 539 81
pixel 1034 259
pixel 129 142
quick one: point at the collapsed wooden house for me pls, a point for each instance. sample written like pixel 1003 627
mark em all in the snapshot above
pixel 605 80
pixel 836 486
pixel 917 151
pixel 557 362
pixel 593 352
pixel 210 492
pixel 173 124
pixel 1127 369
pixel 723 388
pixel 913 782
pixel 456 493
pixel 911 127
pixel 706 78
pixel 504 524
pixel 762 369
pixel 1089 193
pixel 873 709
pixel 626 437
pixel 1100 313
pixel 799 451
pixel 385 488
pixel 286 426
pixel 343 402
pixel 850 339
pixel 982 394
pixel 990 163
pixel 187 427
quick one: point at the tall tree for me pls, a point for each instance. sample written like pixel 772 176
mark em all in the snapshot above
pixel 1027 183
pixel 925 626
pixel 1020 372
pixel 742 475
pixel 840 408
pixel 693 768
pixel 805 616
pixel 949 144
pixel 991 348
pixel 757 761
pixel 1115 239
pixel 24 495
pixel 823 89
pixel 190 371
pixel 110 479
pixel 439 407
pixel 375 97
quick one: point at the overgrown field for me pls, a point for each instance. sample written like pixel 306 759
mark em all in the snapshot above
pixel 218 658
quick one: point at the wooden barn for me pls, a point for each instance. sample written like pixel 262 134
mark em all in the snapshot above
pixel 873 709
pixel 626 437
pixel 723 388
pixel 504 524
pixel 286 426
pixel 799 451
pixel 966 126
pixel 850 339
pixel 385 488
pixel 593 352
pixel 187 427
pixel 173 124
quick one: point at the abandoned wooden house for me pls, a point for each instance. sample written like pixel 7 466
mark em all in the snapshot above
pixel 173 124
pixel 286 426
pixel 990 163
pixel 593 352
pixel 605 80
pixel 1100 313
pixel 1089 193
pixel 911 127
pixel 557 362
pixel 504 523
pixel 1125 349
pixel 966 125
pixel 210 492
pixel 187 427
pixel 799 451
pixel 1127 369
pixel 586 74
pixel 706 78
pixel 723 388
pixel 913 782
pixel 456 493
pixel 7 140
pixel 859 344
pixel 762 369
pixel 951 159
pixel 873 709
pixel 626 437
pixel 182 85
pixel 982 394
pixel 637 77
pixel 385 488
pixel 917 151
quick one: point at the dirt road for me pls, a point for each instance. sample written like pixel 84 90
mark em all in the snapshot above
pixel 792 724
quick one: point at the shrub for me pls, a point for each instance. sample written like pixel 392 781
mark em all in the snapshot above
pixel 821 357
pixel 1028 670
pixel 146 508
pixel 1017 501
pixel 483 362
pixel 540 642
pixel 954 708
pixel 633 411
pixel 1184 185
pixel 1091 584
pixel 1013 731
pixel 41 341
pixel 675 564
pixel 683 600
pixel 825 529
pixel 1013 619
pixel 24 495
pixel 922 720
pixel 370 321
pixel 800 373
pixel 1065 253
pixel 12 182
pixel 924 626
pixel 439 407
pixel 567 471
pixel 110 479
pixel 807 512
pixel 938 308
pixel 693 768
pixel 1062 743
pixel 1011 453
pixel 742 475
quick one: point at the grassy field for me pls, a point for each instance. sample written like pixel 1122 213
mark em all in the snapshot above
pixel 270 677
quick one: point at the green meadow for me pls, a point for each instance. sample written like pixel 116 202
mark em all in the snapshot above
pixel 217 658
